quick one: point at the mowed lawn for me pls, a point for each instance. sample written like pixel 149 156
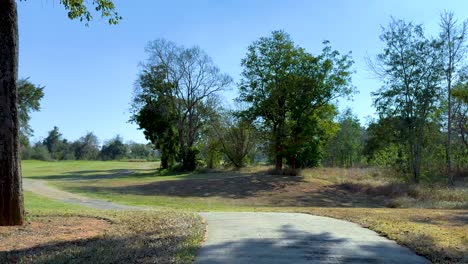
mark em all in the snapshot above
pixel 439 234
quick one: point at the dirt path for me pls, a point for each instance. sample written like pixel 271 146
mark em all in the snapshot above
pixel 41 188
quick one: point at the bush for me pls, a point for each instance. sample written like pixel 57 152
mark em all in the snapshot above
pixel 40 152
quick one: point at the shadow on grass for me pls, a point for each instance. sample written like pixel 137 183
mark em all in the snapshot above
pixel 452 218
pixel 294 246
pixel 147 247
pixel 99 174
pixel 256 189
pixel 228 187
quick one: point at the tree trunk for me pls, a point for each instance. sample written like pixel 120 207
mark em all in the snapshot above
pixel 11 196
pixel 449 134
pixel 278 153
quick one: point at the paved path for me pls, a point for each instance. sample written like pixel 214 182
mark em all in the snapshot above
pixel 271 238
pixel 41 188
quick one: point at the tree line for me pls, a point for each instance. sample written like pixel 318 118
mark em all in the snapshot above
pixel 87 147
pixel 286 111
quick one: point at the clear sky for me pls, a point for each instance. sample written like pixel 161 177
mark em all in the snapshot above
pixel 89 72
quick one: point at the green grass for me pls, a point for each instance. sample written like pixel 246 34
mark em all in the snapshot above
pixel 437 234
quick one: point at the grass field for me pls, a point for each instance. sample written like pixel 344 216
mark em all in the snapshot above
pixel 361 196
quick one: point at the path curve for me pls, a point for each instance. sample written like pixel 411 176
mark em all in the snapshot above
pixel 41 188
pixel 261 238
pixel 269 238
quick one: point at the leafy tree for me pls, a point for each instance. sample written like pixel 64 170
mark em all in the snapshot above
pixel 140 151
pixel 176 87
pixel 237 138
pixel 114 149
pixel 11 193
pixel 154 111
pixel 29 97
pixel 308 143
pixel 381 134
pixel 410 67
pixel 284 86
pixel 345 148
pixel 460 94
pixel 54 143
pixel 40 152
pixel 454 37
pixel 87 147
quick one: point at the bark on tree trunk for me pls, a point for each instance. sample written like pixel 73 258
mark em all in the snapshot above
pixel 11 193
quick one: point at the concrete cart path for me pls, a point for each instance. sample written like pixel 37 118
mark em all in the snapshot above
pixel 294 238
pixel 41 188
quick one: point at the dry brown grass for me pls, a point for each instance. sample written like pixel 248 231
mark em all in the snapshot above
pixel 439 235
pixel 397 193
pixel 132 237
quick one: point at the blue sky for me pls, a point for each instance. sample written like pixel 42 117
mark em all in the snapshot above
pixel 89 72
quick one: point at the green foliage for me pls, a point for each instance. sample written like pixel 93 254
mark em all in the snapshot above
pixel 141 151
pixel 79 9
pixel 284 86
pixel 309 142
pixel 39 152
pixel 411 68
pixel 87 147
pixel 175 98
pixel 114 149
pixel 29 97
pixel 59 148
pixel 155 112
pixel 345 148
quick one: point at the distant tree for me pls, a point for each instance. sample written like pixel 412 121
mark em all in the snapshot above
pixel 237 139
pixel 11 193
pixel 87 147
pixel 114 149
pixel 382 133
pixel 410 67
pixel 345 148
pixel 54 143
pixel 284 86
pixel 176 87
pixel 40 152
pixel 139 151
pixel 29 97
pixel 454 37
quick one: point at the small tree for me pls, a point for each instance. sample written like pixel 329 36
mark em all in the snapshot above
pixel 114 149
pixel 454 37
pixel 345 148
pixel 87 147
pixel 411 69
pixel 238 138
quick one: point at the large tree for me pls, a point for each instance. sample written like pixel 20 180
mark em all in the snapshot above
pixel 177 86
pixel 411 69
pixel 286 86
pixel 454 37
pixel 11 197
